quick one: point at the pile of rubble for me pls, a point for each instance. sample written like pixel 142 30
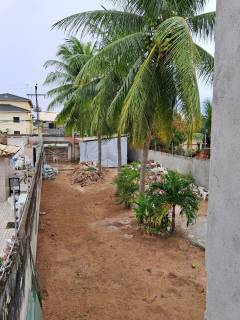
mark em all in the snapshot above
pixel 85 174
pixel 155 171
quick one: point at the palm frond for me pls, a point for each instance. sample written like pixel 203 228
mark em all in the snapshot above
pixel 178 51
pixel 203 25
pixel 97 22
pixel 59 65
pixel 117 102
pixel 153 9
pixel 205 65
pixel 58 77
pixel 126 48
pixel 137 104
pixel 60 98
pixel 187 7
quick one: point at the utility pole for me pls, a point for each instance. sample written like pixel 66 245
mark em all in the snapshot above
pixel 37 108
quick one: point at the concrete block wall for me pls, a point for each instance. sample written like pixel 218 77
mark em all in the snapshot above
pixel 22 141
pixel 184 165
pixel 223 243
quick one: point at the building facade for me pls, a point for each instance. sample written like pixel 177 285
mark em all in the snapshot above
pixel 15 115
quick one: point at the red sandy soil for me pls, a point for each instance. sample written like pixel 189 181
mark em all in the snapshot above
pixel 95 264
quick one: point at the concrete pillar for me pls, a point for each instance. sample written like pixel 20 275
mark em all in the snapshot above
pixel 70 152
pixel 5 174
pixel 223 246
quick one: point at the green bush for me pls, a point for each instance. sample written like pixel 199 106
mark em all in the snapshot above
pixel 153 212
pixel 176 190
pixel 156 209
pixel 128 184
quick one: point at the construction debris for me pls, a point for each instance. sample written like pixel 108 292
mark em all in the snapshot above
pixel 8 151
pixel 86 173
pixel 155 171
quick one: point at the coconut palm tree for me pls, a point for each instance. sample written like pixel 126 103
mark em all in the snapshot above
pixel 76 115
pixel 85 104
pixel 71 57
pixel 154 39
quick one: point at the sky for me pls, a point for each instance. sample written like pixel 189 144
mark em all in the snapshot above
pixel 27 41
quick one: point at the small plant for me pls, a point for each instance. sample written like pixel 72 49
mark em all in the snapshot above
pixel 156 209
pixel 176 190
pixel 153 212
pixel 127 184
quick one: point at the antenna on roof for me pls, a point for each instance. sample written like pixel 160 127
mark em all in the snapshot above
pixel 37 108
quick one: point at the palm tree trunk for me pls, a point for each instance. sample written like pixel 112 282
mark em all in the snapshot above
pixel 119 151
pixel 144 163
pixel 99 154
pixel 173 218
pixel 73 149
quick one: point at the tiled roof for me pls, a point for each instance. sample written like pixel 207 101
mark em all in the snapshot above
pixel 11 108
pixel 8 151
pixel 12 97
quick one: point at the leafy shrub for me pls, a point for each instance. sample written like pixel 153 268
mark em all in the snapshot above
pixel 177 190
pixel 153 212
pixel 158 205
pixel 128 184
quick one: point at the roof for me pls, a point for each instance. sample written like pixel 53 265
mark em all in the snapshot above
pixel 47 116
pixel 11 108
pixel 12 97
pixel 8 151
pixel 86 139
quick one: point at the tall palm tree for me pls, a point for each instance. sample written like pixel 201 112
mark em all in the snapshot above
pixel 154 40
pixel 85 104
pixel 72 55
pixel 76 115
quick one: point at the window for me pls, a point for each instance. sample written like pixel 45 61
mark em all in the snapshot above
pixel 17 133
pixel 51 125
pixel 16 119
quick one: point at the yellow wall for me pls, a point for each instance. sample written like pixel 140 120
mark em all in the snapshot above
pixel 21 104
pixel 24 126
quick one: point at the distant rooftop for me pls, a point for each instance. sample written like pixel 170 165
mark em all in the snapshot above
pixel 8 151
pixel 47 116
pixel 11 108
pixel 12 97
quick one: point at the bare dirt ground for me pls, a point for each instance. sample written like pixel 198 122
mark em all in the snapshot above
pixel 95 264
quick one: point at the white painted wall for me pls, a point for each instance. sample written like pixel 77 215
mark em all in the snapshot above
pixel 89 151
pixel 184 165
pixel 5 173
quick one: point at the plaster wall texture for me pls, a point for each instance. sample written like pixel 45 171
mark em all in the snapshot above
pixel 223 241
pixel 184 165
pixel 24 126
pixel 23 140
pixel 5 174
pixel 21 104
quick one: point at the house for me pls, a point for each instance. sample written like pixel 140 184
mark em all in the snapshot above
pixel 15 115
pixel 48 124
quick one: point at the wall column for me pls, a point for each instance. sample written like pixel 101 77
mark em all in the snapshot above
pixel 223 246
pixel 70 152
pixel 5 174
